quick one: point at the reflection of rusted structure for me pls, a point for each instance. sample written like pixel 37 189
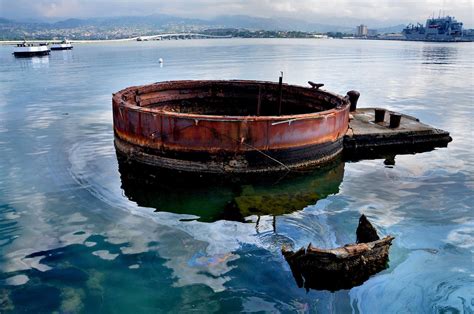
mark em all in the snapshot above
pixel 343 267
pixel 215 198
pixel 229 126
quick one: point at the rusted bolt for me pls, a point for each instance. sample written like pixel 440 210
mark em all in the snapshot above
pixel 379 115
pixel 395 120
pixel 353 98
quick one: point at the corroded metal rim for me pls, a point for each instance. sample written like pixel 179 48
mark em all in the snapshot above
pixel 148 131
pixel 128 97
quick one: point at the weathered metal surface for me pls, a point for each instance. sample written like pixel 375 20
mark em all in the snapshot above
pixel 342 267
pixel 213 126
pixel 370 135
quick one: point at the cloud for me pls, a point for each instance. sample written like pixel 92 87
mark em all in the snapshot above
pixel 58 8
pixel 324 11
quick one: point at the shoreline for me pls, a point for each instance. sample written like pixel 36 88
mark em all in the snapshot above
pixel 93 41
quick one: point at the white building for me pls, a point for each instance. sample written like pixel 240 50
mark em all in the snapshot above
pixel 362 30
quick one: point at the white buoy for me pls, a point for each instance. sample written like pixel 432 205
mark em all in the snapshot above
pixel 160 60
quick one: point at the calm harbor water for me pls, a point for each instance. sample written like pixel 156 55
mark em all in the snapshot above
pixel 78 234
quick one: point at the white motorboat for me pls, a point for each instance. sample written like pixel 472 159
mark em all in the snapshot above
pixel 29 50
pixel 64 45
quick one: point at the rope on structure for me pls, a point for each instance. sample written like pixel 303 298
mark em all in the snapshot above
pixel 268 156
pixel 152 134
pixel 253 147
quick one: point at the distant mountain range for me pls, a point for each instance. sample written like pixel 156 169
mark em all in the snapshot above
pixel 162 21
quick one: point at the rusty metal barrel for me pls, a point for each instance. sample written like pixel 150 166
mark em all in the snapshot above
pixel 229 126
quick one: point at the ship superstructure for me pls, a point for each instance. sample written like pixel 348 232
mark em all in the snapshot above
pixel 437 29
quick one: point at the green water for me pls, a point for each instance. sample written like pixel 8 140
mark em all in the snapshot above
pixel 78 234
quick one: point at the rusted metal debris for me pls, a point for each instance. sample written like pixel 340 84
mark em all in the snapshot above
pixel 365 231
pixel 343 267
pixel 229 126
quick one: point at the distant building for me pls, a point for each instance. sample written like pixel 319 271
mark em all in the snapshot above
pixel 362 30
pixel 372 32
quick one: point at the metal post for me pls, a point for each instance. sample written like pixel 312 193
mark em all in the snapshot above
pixel 259 102
pixel 280 91
pixel 395 120
pixel 353 98
pixel 379 115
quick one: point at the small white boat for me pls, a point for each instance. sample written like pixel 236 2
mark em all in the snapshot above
pixel 29 50
pixel 64 45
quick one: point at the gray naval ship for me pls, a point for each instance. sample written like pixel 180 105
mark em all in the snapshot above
pixel 445 29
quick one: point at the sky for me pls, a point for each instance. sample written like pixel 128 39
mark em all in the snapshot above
pixel 385 12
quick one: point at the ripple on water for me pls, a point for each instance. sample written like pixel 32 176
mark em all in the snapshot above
pixel 419 282
pixel 66 225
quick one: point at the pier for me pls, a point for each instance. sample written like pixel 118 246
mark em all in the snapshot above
pixel 377 132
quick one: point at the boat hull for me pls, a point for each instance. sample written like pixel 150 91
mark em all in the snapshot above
pixel 222 143
pixel 61 47
pixel 26 54
pixel 28 50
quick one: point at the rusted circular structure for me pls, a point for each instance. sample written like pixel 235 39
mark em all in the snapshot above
pixel 229 126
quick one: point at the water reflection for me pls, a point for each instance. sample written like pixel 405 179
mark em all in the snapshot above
pixel 439 54
pixel 389 152
pixel 39 62
pixel 212 199
pixel 66 55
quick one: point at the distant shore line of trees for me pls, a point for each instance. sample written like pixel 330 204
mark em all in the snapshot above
pixel 238 33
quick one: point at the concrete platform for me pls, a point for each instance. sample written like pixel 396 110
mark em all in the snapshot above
pixel 367 139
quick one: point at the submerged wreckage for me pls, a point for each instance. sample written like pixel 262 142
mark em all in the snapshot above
pixel 343 267
pixel 242 127
pixel 253 127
